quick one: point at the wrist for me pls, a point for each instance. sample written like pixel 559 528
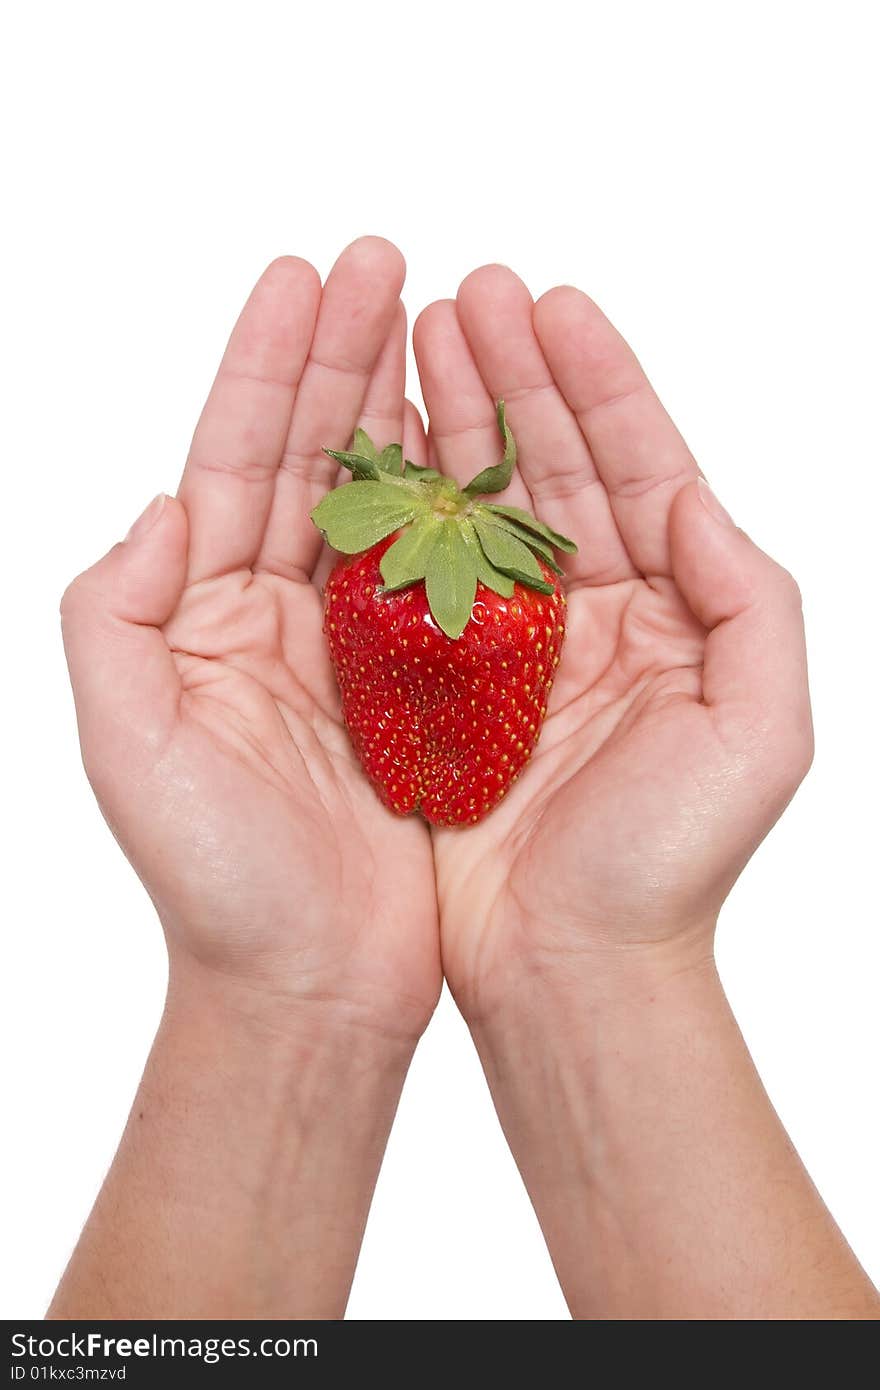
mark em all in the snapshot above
pixel 570 974
pixel 571 1039
pixel 565 1021
pixel 207 1010
pixel 265 998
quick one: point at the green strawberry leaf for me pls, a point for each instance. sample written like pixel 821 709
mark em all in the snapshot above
pixel 391 459
pixel 531 523
pixel 451 579
pixel 451 543
pixel 496 478
pixel 414 472
pixel 406 561
pixel 487 574
pixel 535 543
pixel 358 464
pixel 362 444
pixel 355 517
pixel 510 555
pixel 364 459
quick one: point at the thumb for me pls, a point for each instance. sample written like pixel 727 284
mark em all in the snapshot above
pixel 124 680
pixel 755 665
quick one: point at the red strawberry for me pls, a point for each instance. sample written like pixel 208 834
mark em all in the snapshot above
pixel 445 635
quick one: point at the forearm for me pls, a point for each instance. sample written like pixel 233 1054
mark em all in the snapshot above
pixel 664 1182
pixel 243 1180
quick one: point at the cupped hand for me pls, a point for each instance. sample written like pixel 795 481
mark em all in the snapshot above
pixel 208 714
pixel 679 725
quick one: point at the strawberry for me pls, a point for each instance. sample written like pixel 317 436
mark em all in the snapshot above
pixel 445 620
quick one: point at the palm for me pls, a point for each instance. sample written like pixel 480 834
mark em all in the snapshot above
pixel 607 784
pixel 274 793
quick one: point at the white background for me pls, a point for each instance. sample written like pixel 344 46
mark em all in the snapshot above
pixel 704 171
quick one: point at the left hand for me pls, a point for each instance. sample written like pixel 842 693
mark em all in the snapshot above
pixel 679 724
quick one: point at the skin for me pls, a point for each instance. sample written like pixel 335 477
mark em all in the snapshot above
pixel 575 924
pixel 300 915
pixel 577 920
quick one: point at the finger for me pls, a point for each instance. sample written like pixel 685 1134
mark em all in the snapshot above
pixel 495 312
pixel 755 667
pixel 229 479
pixel 463 431
pixel 381 415
pixel 415 443
pixel 124 680
pixel 358 309
pixel 382 411
pixel 640 455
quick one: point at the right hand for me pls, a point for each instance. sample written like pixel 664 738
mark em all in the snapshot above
pixel 208 714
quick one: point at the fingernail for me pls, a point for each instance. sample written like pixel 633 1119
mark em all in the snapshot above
pixel 711 503
pixel 147 519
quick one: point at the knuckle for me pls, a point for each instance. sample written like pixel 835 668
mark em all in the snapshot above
pixel 806 752
pixel 795 756
pixel 789 587
pixel 83 594
pixel 71 598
